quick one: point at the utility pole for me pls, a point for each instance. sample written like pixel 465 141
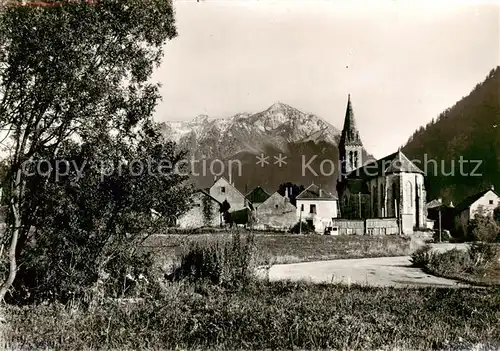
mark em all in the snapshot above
pixel 359 200
pixel 300 218
pixel 440 223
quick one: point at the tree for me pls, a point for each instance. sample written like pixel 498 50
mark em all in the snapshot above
pixel 72 72
pixel 484 228
pixel 496 214
pixel 101 218
pixel 224 211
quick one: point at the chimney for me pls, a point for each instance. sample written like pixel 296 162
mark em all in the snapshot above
pixel 286 193
pixel 492 187
pixel 230 177
pixel 440 200
pixel 451 204
pixel 215 179
pixel 320 192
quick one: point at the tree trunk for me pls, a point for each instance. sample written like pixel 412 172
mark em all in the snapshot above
pixel 15 198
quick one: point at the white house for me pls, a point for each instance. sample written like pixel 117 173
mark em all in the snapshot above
pixel 222 190
pixel 483 203
pixel 317 207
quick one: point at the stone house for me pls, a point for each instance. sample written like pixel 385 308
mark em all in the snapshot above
pixel 483 203
pixel 317 207
pixel 391 187
pixel 275 213
pixel 203 213
pixel 222 190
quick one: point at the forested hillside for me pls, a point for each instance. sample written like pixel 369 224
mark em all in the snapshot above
pixel 470 129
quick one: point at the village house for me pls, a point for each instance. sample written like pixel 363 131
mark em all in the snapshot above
pixel 440 215
pixel 275 213
pixel 203 213
pixel 392 187
pixel 483 204
pixel 257 196
pixel 317 207
pixel 222 190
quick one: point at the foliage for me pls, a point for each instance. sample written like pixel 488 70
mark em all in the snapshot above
pixel 207 209
pixel 304 228
pixel 86 224
pixel 466 131
pixel 478 264
pixel 422 256
pixel 484 228
pixel 496 215
pixel 226 263
pixel 270 316
pixel 74 86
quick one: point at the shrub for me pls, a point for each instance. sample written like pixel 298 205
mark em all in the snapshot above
pixel 306 228
pixel 449 262
pixel 484 228
pixel 225 263
pixel 422 256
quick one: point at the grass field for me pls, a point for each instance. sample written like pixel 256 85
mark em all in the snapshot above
pixel 290 248
pixel 269 316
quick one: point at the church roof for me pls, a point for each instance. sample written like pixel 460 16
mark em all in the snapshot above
pixel 393 163
pixel 313 191
pixel 350 134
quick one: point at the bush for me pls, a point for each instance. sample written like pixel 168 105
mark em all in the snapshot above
pixel 225 263
pixel 484 228
pixel 306 228
pixel 422 256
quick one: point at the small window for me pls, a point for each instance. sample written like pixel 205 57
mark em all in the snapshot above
pixel 276 206
pixel 491 202
pixel 312 209
pixel 222 189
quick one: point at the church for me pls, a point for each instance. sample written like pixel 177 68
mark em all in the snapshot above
pixel 391 187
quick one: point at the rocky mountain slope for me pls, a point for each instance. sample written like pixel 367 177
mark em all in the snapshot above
pixel 305 141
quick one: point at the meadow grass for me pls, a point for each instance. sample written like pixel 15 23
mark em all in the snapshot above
pixel 264 315
pixel 272 248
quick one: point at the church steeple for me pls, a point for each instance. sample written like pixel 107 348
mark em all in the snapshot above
pixel 350 134
pixel 350 146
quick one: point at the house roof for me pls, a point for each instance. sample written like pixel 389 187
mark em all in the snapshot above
pixel 313 192
pixel 207 194
pixel 229 184
pixel 467 202
pixel 393 163
pixel 257 195
pixel 434 203
pixel 274 195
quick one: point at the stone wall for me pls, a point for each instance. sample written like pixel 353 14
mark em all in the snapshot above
pixel 348 226
pixel 372 226
pixel 381 226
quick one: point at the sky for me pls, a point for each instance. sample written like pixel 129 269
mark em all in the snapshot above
pixel 403 62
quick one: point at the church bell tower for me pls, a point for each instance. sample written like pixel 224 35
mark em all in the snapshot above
pixel 350 146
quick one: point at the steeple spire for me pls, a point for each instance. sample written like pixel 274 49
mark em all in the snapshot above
pixel 350 134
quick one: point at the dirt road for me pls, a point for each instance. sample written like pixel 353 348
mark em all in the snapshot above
pixel 384 271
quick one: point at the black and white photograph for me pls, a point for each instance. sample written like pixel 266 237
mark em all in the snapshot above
pixel 249 175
